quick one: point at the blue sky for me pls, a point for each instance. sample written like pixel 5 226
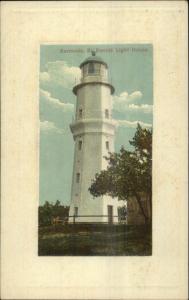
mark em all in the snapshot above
pixel 130 72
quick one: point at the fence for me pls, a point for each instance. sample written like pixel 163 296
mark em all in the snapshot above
pixel 110 219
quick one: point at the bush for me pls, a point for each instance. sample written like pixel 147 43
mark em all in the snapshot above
pixel 48 211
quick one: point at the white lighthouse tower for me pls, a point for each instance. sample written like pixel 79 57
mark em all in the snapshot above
pixel 93 132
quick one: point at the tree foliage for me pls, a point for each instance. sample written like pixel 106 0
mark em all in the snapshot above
pixel 129 173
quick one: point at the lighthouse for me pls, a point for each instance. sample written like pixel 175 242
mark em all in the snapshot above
pixel 93 132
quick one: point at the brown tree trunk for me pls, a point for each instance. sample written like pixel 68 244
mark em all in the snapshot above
pixel 138 198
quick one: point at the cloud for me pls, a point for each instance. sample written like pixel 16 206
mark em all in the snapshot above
pixel 146 108
pixel 124 97
pixel 47 126
pixel 44 77
pixel 122 103
pixel 46 96
pixel 60 73
pixel 132 124
pixel 134 96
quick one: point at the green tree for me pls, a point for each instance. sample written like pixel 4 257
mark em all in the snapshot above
pixel 45 214
pixel 49 211
pixel 129 173
pixel 57 203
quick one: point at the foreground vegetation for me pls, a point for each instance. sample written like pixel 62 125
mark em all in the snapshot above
pixel 97 240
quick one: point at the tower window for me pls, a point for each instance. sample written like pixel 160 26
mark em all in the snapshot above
pixel 106 113
pixel 107 145
pixel 80 113
pixel 77 177
pixel 80 145
pixel 91 68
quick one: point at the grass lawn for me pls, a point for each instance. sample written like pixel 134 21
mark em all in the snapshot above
pixel 106 240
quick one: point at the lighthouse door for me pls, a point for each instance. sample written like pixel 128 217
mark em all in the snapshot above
pixel 110 214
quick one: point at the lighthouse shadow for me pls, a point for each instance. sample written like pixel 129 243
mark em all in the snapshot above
pixel 95 240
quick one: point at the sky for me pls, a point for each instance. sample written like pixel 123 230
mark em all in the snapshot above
pixel 131 74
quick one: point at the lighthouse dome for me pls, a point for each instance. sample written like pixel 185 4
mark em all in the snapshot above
pixel 93 58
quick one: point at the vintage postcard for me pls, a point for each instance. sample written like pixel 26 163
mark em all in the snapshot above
pixel 94 150
pixel 96 105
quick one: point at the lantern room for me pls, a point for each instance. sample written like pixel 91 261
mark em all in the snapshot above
pixel 94 68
